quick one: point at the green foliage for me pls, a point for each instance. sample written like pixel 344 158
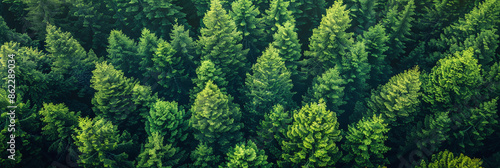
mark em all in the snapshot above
pixel 308 14
pixel 156 154
pixel 41 13
pixel 7 34
pixel 207 72
pixel 453 79
pixel 101 145
pixel 122 53
pixel 247 155
pixel 330 41
pixel 329 87
pixel 247 20
pixel 365 14
pixel 184 45
pixel 269 84
pixel 288 46
pixel 59 125
pixel 272 130
pixel 203 156
pixel 146 50
pixel 398 99
pixel 446 159
pixel 376 42
pixel 277 14
pixel 215 118
pixel 365 142
pixel 398 25
pixel 355 70
pixel 113 99
pixel 167 119
pixel 220 42
pixel 312 137
pixel 484 44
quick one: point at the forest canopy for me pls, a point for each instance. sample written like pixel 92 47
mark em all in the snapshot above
pixel 249 83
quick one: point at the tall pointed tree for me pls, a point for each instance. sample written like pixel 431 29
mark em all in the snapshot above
pixel 272 131
pixel 276 14
pixel 122 53
pixel 329 87
pixel 207 72
pixel 146 48
pixel 376 42
pixel 287 43
pixel 247 19
pixel 398 25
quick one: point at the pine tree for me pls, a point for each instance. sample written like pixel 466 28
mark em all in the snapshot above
pixel 276 14
pixel 147 47
pixel 287 43
pixel 207 72
pixel 247 20
pixel 113 99
pixel 329 87
pixel 376 42
pixel 122 53
pixel 215 118
pixel 160 16
pixel 269 84
pixel 398 25
pixel 185 47
pixel 484 44
pixel 365 142
pixel 203 156
pixel 101 145
pixel 156 154
pixel 220 42
pixel 312 137
pixel 246 154
pixel 167 119
pixel 355 70
pixel 59 125
pixel 65 51
pixel 446 159
pixel 365 14
pixel 330 41
pixel 272 130
pixel 398 99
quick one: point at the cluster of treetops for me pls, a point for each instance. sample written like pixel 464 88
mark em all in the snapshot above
pixel 252 83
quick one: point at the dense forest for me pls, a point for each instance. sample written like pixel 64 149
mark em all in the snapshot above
pixel 249 83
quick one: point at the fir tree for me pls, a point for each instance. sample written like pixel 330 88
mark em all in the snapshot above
pixel 276 14
pixel 167 119
pixel 269 84
pixel 312 137
pixel 398 25
pixel 185 47
pixel 365 14
pixel 247 20
pixel 147 47
pixel 156 154
pixel 288 46
pixel 203 156
pixel 376 42
pixel 329 87
pixel 247 154
pixel 122 53
pixel 484 44
pixel 355 70
pixel 207 72
pixel 272 130
pixel 59 125
pixel 365 142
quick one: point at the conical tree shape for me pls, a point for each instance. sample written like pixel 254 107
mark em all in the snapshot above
pixel 398 24
pixel 215 118
pixel 207 72
pixel 329 87
pixel 272 131
pixel 146 48
pixel 247 19
pixel 376 42
pixel 122 53
pixel 246 154
pixel 287 43
pixel 276 14
pixel 157 154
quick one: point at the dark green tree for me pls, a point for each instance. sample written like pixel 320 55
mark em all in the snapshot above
pixel 167 119
pixel 365 14
pixel 446 159
pixel 185 47
pixel 122 53
pixel 101 145
pixel 59 125
pixel 220 42
pixel 376 42
pixel 7 34
pixel 484 44
pixel 330 42
pixel 268 85
pixel 312 137
pixel 287 43
pixel 329 87
pixel 42 13
pixel 398 24
pixel 365 143
pixel 203 156
pixel 156 154
pixel 207 72
pixel 355 70
pixel 276 14
pixel 247 20
pixel 216 119
pixel 203 6
pixel 246 154
pixel 146 50
pixel 308 14
pixel 272 131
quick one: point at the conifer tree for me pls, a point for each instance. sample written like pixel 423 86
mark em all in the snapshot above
pixel 484 44
pixel 330 41
pixel 365 14
pixel 247 20
pixel 101 145
pixel 276 14
pixel 185 46
pixel 203 6
pixel 7 34
pixel 446 159
pixel 43 13
pixel 146 49
pixel 398 99
pixel 376 42
pixel 167 119
pixel 398 25
pixel 215 118
pixel 122 53
pixel 113 99
pixel 203 156
pixel 272 130
pixel 220 42
pixel 365 142
pixel 269 84
pixel 308 14
pixel 355 70
pixel 329 87
pixel 207 72
pixel 287 43
pixel 59 125
pixel 160 16
pixel 156 153
pixel 312 137
pixel 246 154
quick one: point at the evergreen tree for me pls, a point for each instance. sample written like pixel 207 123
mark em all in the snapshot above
pixel 365 14
pixel 185 47
pixel 215 118
pixel 330 41
pixel 484 44
pixel 308 14
pixel 7 34
pixel 220 42
pixel 329 87
pixel 246 154
pixel 247 20
pixel 446 159
pixel 113 99
pixel 59 125
pixel 207 72
pixel 312 137
pixel 147 47
pixel 288 46
pixel 101 145
pixel 160 16
pixel 122 53
pixel 203 156
pixel 269 84
pixel 398 99
pixel 398 25
pixel 156 154
pixel 203 6
pixel 167 119
pixel 272 130
pixel 376 42
pixel 355 70
pixel 365 142
pixel 43 13
pixel 276 14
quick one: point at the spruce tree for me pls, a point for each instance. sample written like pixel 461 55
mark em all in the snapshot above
pixel 365 142
pixel 276 14
pixel 146 49
pixel 287 43
pixel 446 159
pixel 155 153
pixel 398 25
pixel 207 72
pixel 101 145
pixel 330 41
pixel 355 70
pixel 59 125
pixel 484 44
pixel 246 154
pixel 247 20
pixel 365 14
pixel 376 42
pixel 203 156
pixel 220 42
pixel 329 87
pixel 268 85
pixel 185 47
pixel 272 131
pixel 312 137
pixel 216 119
pixel 122 53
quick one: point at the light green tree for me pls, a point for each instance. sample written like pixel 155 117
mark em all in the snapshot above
pixel 59 125
pixel 155 153
pixel 329 87
pixel 246 154
pixel 446 159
